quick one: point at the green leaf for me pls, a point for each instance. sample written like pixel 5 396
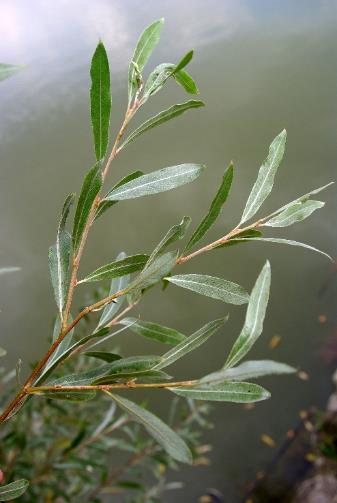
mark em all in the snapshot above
pixel 118 268
pixel 159 268
pixel 265 179
pixel 155 182
pixel 117 284
pixel 160 75
pixel 291 243
pixel 210 286
pixel 157 79
pixel 100 333
pixel 192 342
pixel 186 81
pixel 214 210
pixel 185 60
pixel 175 233
pixel 103 355
pixel 62 347
pixel 255 314
pixel 237 392
pixel 145 45
pixel 59 258
pixel 104 205
pixel 153 331
pixel 5 72
pixel 82 378
pixel 3 352
pixel 164 116
pixel 301 199
pixel 161 432
pixel 91 186
pixel 71 396
pixel 295 213
pixel 100 100
pixel 148 375
pixel 14 489
pixel 131 364
pixel 248 370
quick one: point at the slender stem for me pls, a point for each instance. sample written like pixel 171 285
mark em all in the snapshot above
pixel 107 387
pixel 234 232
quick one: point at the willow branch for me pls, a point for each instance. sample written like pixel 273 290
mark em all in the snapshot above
pixel 36 390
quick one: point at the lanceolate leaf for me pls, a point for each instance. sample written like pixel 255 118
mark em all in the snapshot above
pixel 154 331
pixel 157 79
pixel 157 181
pixel 14 489
pixel 265 179
pixel 248 370
pixel 100 99
pixel 146 43
pixel 59 258
pixel 91 186
pixel 150 275
pixel 175 233
pixel 186 81
pixel 253 325
pixel 301 199
pixel 210 286
pixel 131 364
pixel 62 347
pixel 162 117
pixel 117 284
pixel 161 432
pixel 72 396
pixel 48 370
pixel 118 268
pixel 159 76
pixel 7 71
pixel 214 210
pixel 288 242
pixel 237 392
pixel 192 342
pixel 295 213
pixel 104 205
